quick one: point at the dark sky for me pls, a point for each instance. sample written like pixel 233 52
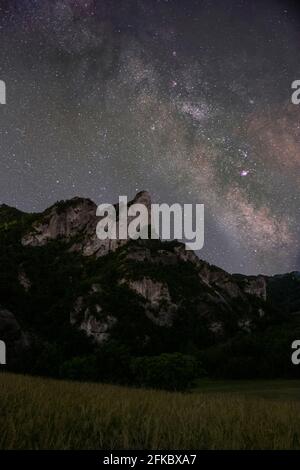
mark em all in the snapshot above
pixel 190 100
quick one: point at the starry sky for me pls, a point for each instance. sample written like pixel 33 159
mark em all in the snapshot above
pixel 188 99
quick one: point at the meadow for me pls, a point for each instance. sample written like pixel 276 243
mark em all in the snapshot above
pixel 38 413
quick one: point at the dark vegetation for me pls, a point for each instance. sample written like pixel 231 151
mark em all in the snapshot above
pixel 139 351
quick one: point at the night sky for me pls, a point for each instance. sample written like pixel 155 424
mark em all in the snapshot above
pixel 190 100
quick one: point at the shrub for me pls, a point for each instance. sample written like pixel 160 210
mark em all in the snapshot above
pixel 79 368
pixel 174 371
pixel 113 363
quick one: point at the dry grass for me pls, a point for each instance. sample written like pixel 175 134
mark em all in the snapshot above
pixel 47 414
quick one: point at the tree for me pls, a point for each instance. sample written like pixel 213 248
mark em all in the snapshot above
pixel 174 371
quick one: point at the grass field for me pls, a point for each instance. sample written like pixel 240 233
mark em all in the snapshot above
pixel 40 413
pixel 271 389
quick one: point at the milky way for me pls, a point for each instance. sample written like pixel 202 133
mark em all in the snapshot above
pixel 190 100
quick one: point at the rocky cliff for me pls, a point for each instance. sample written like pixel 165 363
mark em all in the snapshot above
pixel 61 285
pixel 75 222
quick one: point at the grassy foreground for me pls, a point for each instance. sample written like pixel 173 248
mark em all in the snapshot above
pixel 271 389
pixel 47 414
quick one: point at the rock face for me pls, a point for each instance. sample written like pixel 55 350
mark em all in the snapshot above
pixel 24 280
pixel 90 319
pixel 147 293
pixel 75 223
pixel 63 220
pixel 159 306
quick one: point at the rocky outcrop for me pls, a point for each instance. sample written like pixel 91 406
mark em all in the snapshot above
pixel 75 222
pixel 99 330
pixel 63 220
pixel 143 286
pixel 159 306
pixel 152 291
pixel 92 319
pixel 24 280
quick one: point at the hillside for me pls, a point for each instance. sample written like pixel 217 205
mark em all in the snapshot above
pixel 64 294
